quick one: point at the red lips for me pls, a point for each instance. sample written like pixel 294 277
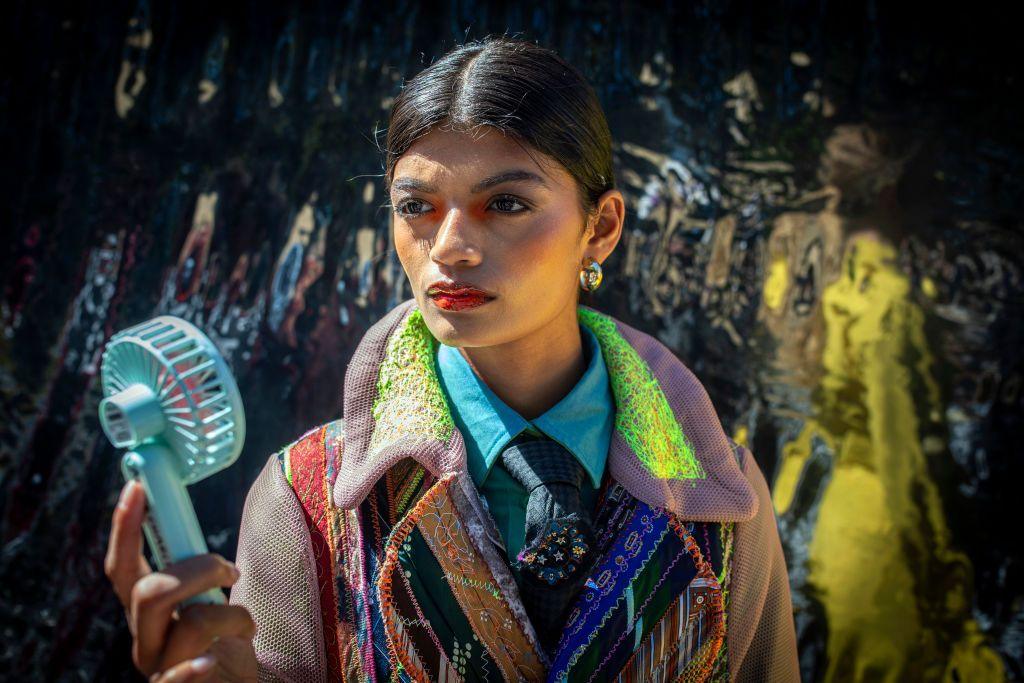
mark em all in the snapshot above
pixel 456 296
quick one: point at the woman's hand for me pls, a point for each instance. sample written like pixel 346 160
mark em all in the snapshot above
pixel 201 642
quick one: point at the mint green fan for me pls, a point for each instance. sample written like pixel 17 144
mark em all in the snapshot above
pixel 172 402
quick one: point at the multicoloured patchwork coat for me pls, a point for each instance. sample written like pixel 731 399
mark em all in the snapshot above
pixel 343 526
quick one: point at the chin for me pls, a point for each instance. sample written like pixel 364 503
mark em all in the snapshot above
pixel 458 329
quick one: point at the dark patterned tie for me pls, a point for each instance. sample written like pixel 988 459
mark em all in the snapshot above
pixel 557 553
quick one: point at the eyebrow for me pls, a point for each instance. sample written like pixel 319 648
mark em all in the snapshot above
pixel 414 185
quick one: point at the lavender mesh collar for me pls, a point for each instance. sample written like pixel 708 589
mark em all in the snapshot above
pixel 668 449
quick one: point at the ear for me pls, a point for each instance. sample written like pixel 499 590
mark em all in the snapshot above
pixel 605 227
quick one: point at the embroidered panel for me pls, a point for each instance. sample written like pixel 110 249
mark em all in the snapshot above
pixel 351 586
pixel 453 633
pixel 475 590
pixel 375 529
pixel 353 610
pixel 676 648
pixel 643 415
pixel 470 630
pixel 409 398
pixel 413 644
pixel 385 505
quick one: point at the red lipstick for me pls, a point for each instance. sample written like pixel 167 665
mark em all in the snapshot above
pixel 450 295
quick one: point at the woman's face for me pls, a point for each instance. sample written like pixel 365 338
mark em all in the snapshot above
pixel 477 209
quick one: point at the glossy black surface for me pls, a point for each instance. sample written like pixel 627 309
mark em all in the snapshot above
pixel 824 223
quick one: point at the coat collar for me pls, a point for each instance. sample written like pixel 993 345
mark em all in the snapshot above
pixel 668 448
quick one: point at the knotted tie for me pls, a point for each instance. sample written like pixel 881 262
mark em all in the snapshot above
pixel 559 539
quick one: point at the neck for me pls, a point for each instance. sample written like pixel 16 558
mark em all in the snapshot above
pixel 533 373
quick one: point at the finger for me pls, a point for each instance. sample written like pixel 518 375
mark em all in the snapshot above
pixel 124 563
pixel 155 597
pixel 198 626
pixel 199 669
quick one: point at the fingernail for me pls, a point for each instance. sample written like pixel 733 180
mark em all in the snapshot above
pixel 234 572
pixel 122 499
pixel 203 664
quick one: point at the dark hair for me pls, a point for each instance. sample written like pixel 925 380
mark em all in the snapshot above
pixel 525 91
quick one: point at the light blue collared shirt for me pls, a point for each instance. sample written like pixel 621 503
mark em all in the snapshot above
pixel 582 421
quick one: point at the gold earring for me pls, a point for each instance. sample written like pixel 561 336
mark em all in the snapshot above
pixel 590 275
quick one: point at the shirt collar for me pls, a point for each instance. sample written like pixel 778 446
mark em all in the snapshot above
pixel 582 420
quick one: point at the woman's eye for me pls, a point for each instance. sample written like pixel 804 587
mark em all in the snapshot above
pixel 508 204
pixel 412 207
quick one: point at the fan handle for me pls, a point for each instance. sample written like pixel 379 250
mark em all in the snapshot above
pixel 171 527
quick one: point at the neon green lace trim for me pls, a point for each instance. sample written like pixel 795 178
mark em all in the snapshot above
pixel 643 415
pixel 410 401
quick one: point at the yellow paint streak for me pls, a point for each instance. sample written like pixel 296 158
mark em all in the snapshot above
pixel 776 283
pixel 791 467
pixel 928 288
pixel 896 591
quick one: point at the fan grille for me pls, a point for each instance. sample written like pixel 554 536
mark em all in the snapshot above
pixel 197 394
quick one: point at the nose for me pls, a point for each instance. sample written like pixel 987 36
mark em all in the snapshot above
pixel 452 243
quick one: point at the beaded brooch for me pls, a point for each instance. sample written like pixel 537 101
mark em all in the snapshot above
pixel 558 554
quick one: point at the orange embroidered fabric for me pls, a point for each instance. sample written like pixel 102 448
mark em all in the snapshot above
pixel 475 590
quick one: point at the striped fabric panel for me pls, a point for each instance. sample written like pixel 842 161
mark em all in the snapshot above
pixel 602 599
pixel 353 610
pixel 673 646
pixel 689 654
pixel 651 594
pixel 404 483
pixel 306 462
pixel 375 536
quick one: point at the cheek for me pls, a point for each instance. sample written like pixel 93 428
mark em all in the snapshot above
pixel 406 245
pixel 546 254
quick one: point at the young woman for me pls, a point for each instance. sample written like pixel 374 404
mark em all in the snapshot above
pixel 520 487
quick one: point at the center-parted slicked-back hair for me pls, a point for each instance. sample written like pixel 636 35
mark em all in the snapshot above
pixel 520 88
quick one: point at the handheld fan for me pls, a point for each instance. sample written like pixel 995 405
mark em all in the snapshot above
pixel 171 400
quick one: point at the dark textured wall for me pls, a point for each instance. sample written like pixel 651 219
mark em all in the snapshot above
pixel 823 222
